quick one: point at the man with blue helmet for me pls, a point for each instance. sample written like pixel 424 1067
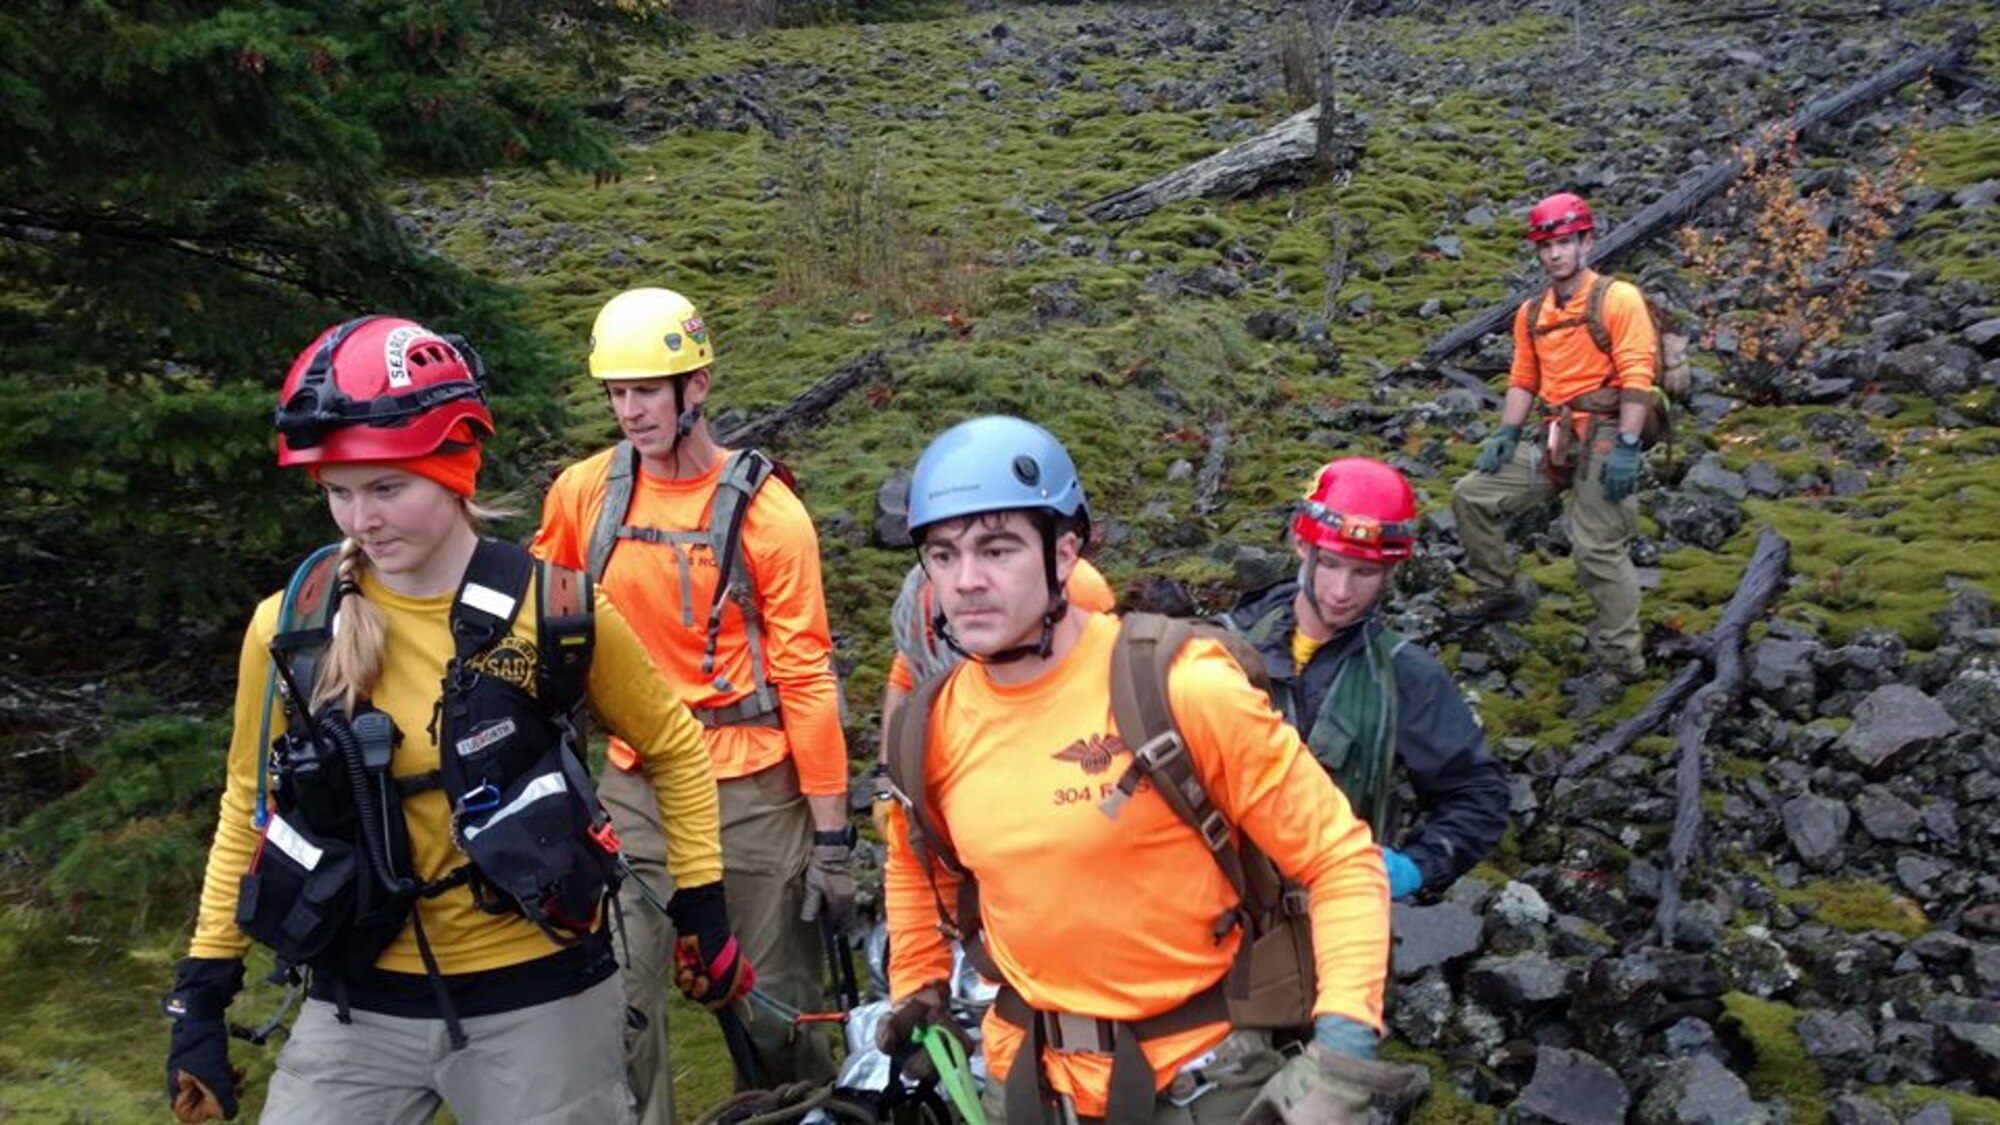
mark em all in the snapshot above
pixel 1106 918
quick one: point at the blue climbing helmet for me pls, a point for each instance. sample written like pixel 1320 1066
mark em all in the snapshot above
pixel 1001 464
pixel 994 464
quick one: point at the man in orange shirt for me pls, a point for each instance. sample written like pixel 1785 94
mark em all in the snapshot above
pixel 717 567
pixel 1100 917
pixel 1595 404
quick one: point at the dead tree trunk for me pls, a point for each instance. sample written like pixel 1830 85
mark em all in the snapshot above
pixel 812 404
pixel 1697 188
pixel 1282 154
pixel 1761 579
pixel 1208 483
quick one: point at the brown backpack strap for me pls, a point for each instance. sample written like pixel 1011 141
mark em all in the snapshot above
pixel 909 739
pixel 1140 661
pixel 1593 315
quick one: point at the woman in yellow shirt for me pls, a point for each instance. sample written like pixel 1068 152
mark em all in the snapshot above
pixel 413 830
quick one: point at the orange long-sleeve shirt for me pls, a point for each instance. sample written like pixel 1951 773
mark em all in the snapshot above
pixel 1086 589
pixel 1112 918
pixel 1563 361
pixel 646 581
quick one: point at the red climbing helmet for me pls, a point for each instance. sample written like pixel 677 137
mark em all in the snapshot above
pixel 380 388
pixel 1361 508
pixel 1560 214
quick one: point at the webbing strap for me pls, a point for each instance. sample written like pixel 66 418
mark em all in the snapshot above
pixel 300 636
pixel 758 709
pixel 1132 1091
pixel 618 485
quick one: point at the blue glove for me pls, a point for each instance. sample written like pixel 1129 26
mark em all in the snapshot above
pixel 1338 1035
pixel 1621 471
pixel 1498 450
pixel 1404 878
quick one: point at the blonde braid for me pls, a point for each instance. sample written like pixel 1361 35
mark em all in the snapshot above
pixel 353 661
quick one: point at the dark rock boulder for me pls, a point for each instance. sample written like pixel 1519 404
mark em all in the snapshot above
pixel 1699 1091
pixel 1572 1088
pixel 1816 827
pixel 892 511
pixel 1893 724
pixel 1429 937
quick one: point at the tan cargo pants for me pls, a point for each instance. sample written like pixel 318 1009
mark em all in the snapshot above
pixel 1600 535
pixel 1216 1092
pixel 766 842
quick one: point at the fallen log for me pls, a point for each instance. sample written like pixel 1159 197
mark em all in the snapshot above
pixel 811 405
pixel 1761 579
pixel 1698 187
pixel 1281 154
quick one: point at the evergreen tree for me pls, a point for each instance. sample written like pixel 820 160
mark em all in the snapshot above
pixel 193 188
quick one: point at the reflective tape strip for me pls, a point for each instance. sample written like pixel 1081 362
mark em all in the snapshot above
pixel 547 785
pixel 488 600
pixel 287 839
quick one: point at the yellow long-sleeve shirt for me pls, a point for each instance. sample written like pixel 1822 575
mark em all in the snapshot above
pixel 1112 918
pixel 622 689
pixel 667 599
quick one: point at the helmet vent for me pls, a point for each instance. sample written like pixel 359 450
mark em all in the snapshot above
pixel 1026 471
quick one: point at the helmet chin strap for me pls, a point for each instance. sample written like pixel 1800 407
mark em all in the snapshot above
pixel 1309 581
pixel 1058 609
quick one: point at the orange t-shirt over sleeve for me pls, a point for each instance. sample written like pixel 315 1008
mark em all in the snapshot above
pixel 665 592
pixel 1563 362
pixel 1113 918
pixel 1086 589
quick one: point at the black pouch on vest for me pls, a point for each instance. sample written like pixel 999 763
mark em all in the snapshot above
pixel 298 895
pixel 535 847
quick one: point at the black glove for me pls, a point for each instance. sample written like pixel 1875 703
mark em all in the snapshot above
pixel 201 1085
pixel 830 879
pixel 709 966
pixel 929 1005
pixel 1498 450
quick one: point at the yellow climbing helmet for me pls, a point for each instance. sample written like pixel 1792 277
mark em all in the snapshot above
pixel 648 334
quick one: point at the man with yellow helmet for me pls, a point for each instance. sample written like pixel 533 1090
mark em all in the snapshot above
pixel 717 566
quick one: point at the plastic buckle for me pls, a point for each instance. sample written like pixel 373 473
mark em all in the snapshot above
pixel 605 835
pixel 1215 830
pixel 1161 749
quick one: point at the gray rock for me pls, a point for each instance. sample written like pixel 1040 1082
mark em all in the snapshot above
pixel 1982 194
pixel 1700 1091
pixel 1984 336
pixel 1838 1041
pixel 1752 962
pixel 1430 309
pixel 1971 1051
pixel 1973 696
pixel 1690 1036
pixel 1782 672
pixel 1854 1109
pixel 1815 826
pixel 1449 246
pixel 1933 367
pixel 1212 281
pixel 1916 872
pixel 1885 816
pixel 1480 217
pixel 1420 1010
pixel 1429 937
pixel 892 511
pixel 1707 475
pixel 1892 725
pixel 1848 481
pixel 1879 405
pixel 1936 1113
pixel 1573 1088
pixel 1271 325
pixel 1509 984
pixel 1698 519
pixel 1763 481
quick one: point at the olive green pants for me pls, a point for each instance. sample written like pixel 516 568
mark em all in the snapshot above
pixel 766 841
pixel 1600 537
